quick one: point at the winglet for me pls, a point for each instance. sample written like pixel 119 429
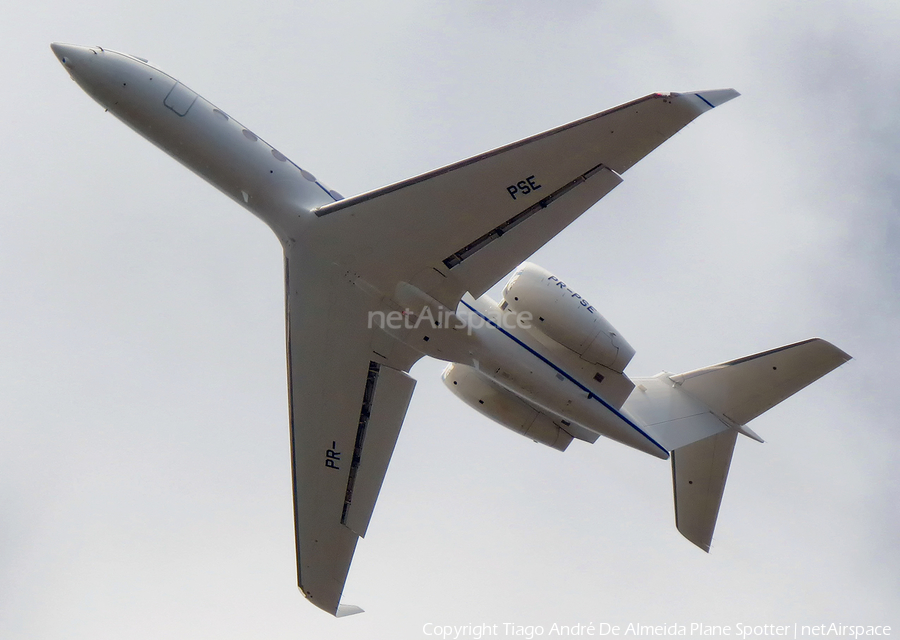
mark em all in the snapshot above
pixel 750 433
pixel 344 610
pixel 715 97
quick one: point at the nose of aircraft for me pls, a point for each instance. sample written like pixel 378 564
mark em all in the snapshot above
pixel 63 51
pixel 70 55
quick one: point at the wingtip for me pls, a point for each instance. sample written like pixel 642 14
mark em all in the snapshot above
pixel 716 97
pixel 344 610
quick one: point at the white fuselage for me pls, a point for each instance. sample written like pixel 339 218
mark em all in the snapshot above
pixel 258 177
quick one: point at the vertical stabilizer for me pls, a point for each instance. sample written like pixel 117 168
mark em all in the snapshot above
pixel 699 472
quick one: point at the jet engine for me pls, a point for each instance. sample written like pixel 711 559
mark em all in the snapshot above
pixel 566 317
pixel 504 407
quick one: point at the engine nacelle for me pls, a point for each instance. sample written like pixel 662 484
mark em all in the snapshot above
pixel 566 317
pixel 504 407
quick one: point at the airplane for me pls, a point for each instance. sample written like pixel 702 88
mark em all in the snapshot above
pixel 376 281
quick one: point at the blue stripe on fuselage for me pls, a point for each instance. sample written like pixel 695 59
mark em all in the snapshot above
pixel 590 393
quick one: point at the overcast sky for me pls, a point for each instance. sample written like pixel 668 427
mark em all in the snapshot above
pixel 144 454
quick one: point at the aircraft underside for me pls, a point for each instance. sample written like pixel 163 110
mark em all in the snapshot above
pixel 377 280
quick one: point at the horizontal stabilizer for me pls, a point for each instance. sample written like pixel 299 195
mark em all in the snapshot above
pixel 742 389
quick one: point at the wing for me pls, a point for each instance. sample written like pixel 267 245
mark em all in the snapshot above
pixel 463 227
pixel 348 395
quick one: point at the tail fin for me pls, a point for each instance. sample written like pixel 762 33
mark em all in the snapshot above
pixel 698 414
pixel 699 472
